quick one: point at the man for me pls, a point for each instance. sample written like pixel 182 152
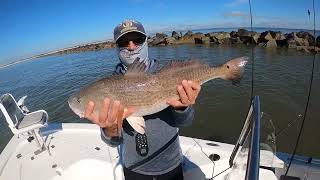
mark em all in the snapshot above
pixel 157 153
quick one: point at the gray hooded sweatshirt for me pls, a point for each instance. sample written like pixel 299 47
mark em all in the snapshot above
pixel 158 151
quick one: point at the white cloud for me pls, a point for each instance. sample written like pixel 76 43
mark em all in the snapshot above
pixel 238 18
pixel 235 3
pixel 233 19
pixel 236 14
pixel 153 28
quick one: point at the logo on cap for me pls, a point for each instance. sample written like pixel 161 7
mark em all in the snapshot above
pixel 128 26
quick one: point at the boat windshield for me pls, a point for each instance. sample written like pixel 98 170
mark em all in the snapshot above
pixel 255 146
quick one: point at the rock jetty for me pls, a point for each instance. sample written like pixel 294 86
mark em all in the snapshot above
pixel 302 41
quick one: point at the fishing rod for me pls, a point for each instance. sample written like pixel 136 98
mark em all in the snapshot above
pixel 294 121
pixel 252 56
pixel 310 85
pixel 309 93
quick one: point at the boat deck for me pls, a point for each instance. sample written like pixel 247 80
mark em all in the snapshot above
pixel 76 151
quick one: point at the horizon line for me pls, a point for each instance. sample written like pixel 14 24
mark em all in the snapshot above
pixel 150 33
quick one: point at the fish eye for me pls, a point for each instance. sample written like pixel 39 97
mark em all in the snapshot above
pixel 78 99
pixel 228 66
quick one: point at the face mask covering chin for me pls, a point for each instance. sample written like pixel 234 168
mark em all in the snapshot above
pixel 127 57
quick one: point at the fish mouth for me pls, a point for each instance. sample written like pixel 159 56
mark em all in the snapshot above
pixel 243 62
pixel 72 102
pixel 80 114
pixel 235 69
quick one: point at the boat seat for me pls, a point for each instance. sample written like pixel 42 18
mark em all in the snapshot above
pixel 32 119
pixel 20 120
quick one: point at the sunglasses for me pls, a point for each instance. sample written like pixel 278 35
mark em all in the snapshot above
pixel 125 41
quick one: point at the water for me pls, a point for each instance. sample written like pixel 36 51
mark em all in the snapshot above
pixel 281 78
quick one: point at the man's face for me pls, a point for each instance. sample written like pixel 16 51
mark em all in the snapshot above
pixel 131 40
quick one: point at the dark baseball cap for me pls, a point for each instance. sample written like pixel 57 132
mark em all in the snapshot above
pixel 126 27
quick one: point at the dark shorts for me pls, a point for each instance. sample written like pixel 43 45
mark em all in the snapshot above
pixel 175 174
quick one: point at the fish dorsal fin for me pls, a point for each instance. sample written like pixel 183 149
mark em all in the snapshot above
pixel 181 64
pixel 136 68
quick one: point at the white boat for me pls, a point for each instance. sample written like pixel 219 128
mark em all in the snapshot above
pixel 75 151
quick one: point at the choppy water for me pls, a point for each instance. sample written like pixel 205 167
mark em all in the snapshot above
pixel 281 79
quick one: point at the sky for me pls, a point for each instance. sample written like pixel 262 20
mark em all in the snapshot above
pixel 30 27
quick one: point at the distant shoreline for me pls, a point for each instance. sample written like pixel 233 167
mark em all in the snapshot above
pixel 25 59
pixel 302 40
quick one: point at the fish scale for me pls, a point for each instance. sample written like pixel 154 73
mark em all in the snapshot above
pixel 147 93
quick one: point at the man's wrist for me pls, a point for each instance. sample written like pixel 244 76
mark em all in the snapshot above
pixel 112 141
pixel 109 134
pixel 180 108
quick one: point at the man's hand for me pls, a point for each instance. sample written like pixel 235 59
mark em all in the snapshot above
pixel 110 117
pixel 188 93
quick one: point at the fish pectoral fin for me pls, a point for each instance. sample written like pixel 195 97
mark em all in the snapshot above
pixel 137 123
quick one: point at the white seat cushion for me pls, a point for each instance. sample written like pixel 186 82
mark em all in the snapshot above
pixel 31 119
